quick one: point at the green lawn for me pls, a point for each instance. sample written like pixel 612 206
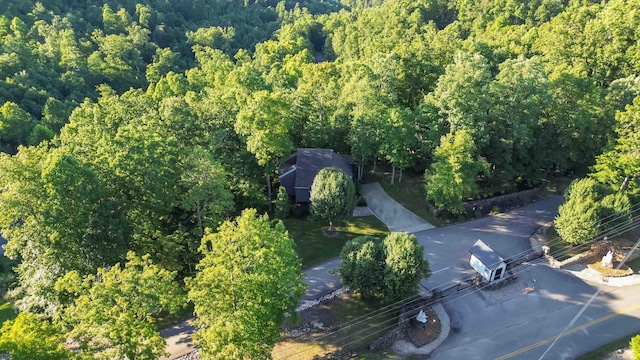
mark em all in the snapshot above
pixel 559 249
pixel 359 321
pixel 357 324
pixel 409 193
pixel 314 247
pixel 601 352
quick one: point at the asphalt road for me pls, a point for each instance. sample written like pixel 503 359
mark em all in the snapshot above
pixel 520 326
pixel 447 248
pixel 525 325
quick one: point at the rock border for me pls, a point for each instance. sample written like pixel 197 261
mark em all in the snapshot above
pixel 574 266
pixel 405 348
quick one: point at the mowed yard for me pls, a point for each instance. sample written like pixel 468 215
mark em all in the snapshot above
pixel 313 246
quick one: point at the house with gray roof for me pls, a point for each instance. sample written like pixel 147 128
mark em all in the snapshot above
pixel 298 170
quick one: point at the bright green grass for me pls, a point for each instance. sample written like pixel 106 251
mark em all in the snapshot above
pixel 409 193
pixel 314 247
pixel 601 352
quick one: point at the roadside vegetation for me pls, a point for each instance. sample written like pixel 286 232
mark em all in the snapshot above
pixel 130 131
pixel 604 351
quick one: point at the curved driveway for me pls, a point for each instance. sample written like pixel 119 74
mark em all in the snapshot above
pixel 447 248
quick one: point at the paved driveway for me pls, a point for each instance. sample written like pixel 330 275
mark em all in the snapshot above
pixel 447 248
pixel 390 212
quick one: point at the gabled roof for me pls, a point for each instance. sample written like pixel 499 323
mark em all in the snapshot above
pixel 308 162
pixel 486 255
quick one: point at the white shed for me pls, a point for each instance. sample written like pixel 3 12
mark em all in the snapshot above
pixel 486 262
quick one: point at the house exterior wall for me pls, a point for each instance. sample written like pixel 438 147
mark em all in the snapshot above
pixel 289 182
pixel 478 266
pixel 302 194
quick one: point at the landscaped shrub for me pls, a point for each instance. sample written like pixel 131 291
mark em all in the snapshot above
pixel 390 270
pixel 495 209
pixel 283 204
pixel 635 346
pixel 526 200
pixel 477 214
pixel 578 219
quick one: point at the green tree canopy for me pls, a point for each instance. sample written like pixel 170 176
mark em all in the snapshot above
pixel 333 196
pixel 113 314
pixel 578 221
pixel 451 179
pixel 249 279
pixel 28 337
pixel 390 269
pixel 620 165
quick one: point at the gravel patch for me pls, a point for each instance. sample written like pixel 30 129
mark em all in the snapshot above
pixel 586 273
pixel 194 355
pixel 622 354
pixel 507 292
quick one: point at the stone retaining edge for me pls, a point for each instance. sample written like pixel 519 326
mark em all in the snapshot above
pixel 404 348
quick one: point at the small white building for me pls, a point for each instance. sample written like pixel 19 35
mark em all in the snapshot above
pixel 486 262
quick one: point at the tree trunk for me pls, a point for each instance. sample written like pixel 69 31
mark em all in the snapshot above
pixel 625 183
pixel 393 173
pixel 400 177
pixel 269 189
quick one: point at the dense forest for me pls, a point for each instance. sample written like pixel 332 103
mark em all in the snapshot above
pixel 135 126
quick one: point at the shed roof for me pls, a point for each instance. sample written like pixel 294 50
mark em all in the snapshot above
pixel 486 255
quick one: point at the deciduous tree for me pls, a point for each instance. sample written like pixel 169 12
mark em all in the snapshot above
pixel 333 196
pixel 389 269
pixel 451 179
pixel 620 165
pixel 28 337
pixel 249 279
pixel 113 314
pixel 404 267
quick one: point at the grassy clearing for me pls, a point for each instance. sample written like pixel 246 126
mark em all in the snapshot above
pixel 314 247
pixel 559 249
pixel 601 352
pixel 355 328
pixel 409 193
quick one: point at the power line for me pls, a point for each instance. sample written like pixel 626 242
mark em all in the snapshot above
pixel 620 230
pixel 587 304
pixel 614 231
